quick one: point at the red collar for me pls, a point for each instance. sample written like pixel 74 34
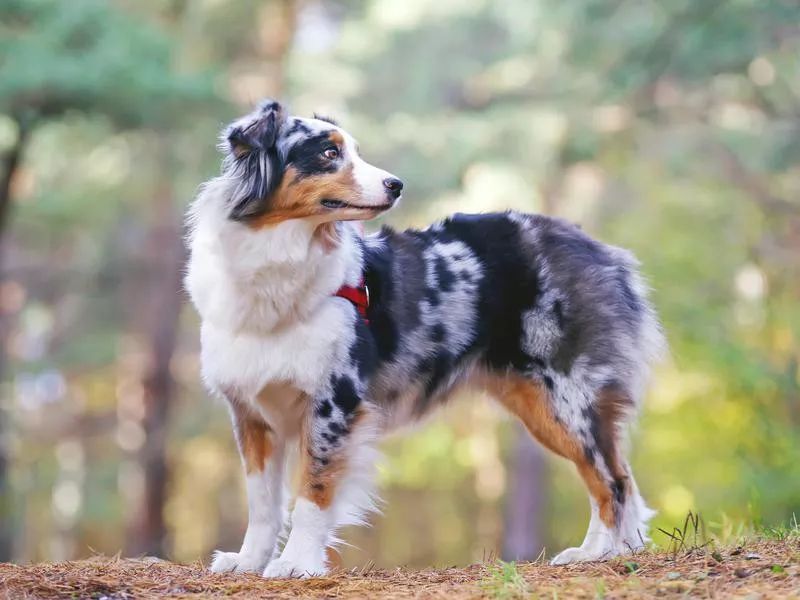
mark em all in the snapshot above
pixel 358 295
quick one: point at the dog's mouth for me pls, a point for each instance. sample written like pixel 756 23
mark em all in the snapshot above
pixel 333 204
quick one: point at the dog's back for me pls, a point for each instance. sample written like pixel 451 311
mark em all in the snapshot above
pixel 508 293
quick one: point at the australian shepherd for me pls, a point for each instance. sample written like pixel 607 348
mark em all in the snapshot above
pixel 321 339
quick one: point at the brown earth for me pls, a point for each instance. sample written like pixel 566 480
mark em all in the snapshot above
pixel 759 569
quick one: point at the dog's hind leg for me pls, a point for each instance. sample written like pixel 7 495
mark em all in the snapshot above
pixel 590 436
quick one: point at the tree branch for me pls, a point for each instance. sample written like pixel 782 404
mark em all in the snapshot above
pixel 10 163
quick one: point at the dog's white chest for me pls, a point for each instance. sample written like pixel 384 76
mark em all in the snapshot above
pixel 300 355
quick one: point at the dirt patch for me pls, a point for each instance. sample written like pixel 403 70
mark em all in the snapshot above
pixel 759 569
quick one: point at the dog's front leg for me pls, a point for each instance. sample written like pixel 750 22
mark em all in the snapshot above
pixel 337 462
pixel 262 453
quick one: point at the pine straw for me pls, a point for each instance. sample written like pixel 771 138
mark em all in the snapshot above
pixel 762 569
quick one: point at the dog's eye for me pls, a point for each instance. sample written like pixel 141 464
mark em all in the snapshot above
pixel 331 153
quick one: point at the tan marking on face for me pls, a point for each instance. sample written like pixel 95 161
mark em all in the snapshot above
pixel 529 401
pixel 337 138
pixel 299 199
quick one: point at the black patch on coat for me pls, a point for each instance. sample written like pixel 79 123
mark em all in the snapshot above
pixel 509 286
pixel 337 429
pixel 324 409
pixel 362 352
pixel 395 276
pixel 619 488
pixel 432 296
pixel 538 363
pixel 558 312
pixel 297 126
pixel 378 279
pixel 345 395
pixel 437 333
pixel 444 276
pixel 434 369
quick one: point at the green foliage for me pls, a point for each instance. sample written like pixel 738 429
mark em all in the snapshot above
pixel 600 589
pixel 504 581
pixel 631 566
pixel 89 56
pixel 782 532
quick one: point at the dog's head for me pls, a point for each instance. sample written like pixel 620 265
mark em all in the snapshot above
pixel 284 167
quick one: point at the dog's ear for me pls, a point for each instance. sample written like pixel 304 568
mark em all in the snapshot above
pixel 252 146
pixel 257 131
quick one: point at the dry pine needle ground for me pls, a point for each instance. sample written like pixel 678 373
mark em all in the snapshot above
pixel 759 569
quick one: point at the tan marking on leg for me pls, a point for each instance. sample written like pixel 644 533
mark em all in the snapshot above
pixel 254 438
pixel 334 559
pixel 611 407
pixel 529 401
pixel 319 481
pixel 600 491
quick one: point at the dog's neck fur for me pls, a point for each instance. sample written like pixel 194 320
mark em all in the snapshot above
pixel 247 280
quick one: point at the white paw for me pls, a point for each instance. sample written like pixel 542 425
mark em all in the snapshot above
pixel 575 555
pixel 234 562
pixel 285 567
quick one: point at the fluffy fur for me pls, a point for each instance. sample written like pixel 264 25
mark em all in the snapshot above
pixel 554 325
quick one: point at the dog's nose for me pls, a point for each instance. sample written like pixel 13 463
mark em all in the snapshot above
pixel 394 186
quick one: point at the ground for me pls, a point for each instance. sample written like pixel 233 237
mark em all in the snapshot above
pixel 768 569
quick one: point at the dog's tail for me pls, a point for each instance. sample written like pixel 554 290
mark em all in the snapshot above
pixel 651 348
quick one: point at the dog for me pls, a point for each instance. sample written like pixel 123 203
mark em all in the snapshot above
pixel 321 339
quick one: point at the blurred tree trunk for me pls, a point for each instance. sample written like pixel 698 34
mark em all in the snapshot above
pixel 525 512
pixel 162 299
pixel 6 520
pixel 10 162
